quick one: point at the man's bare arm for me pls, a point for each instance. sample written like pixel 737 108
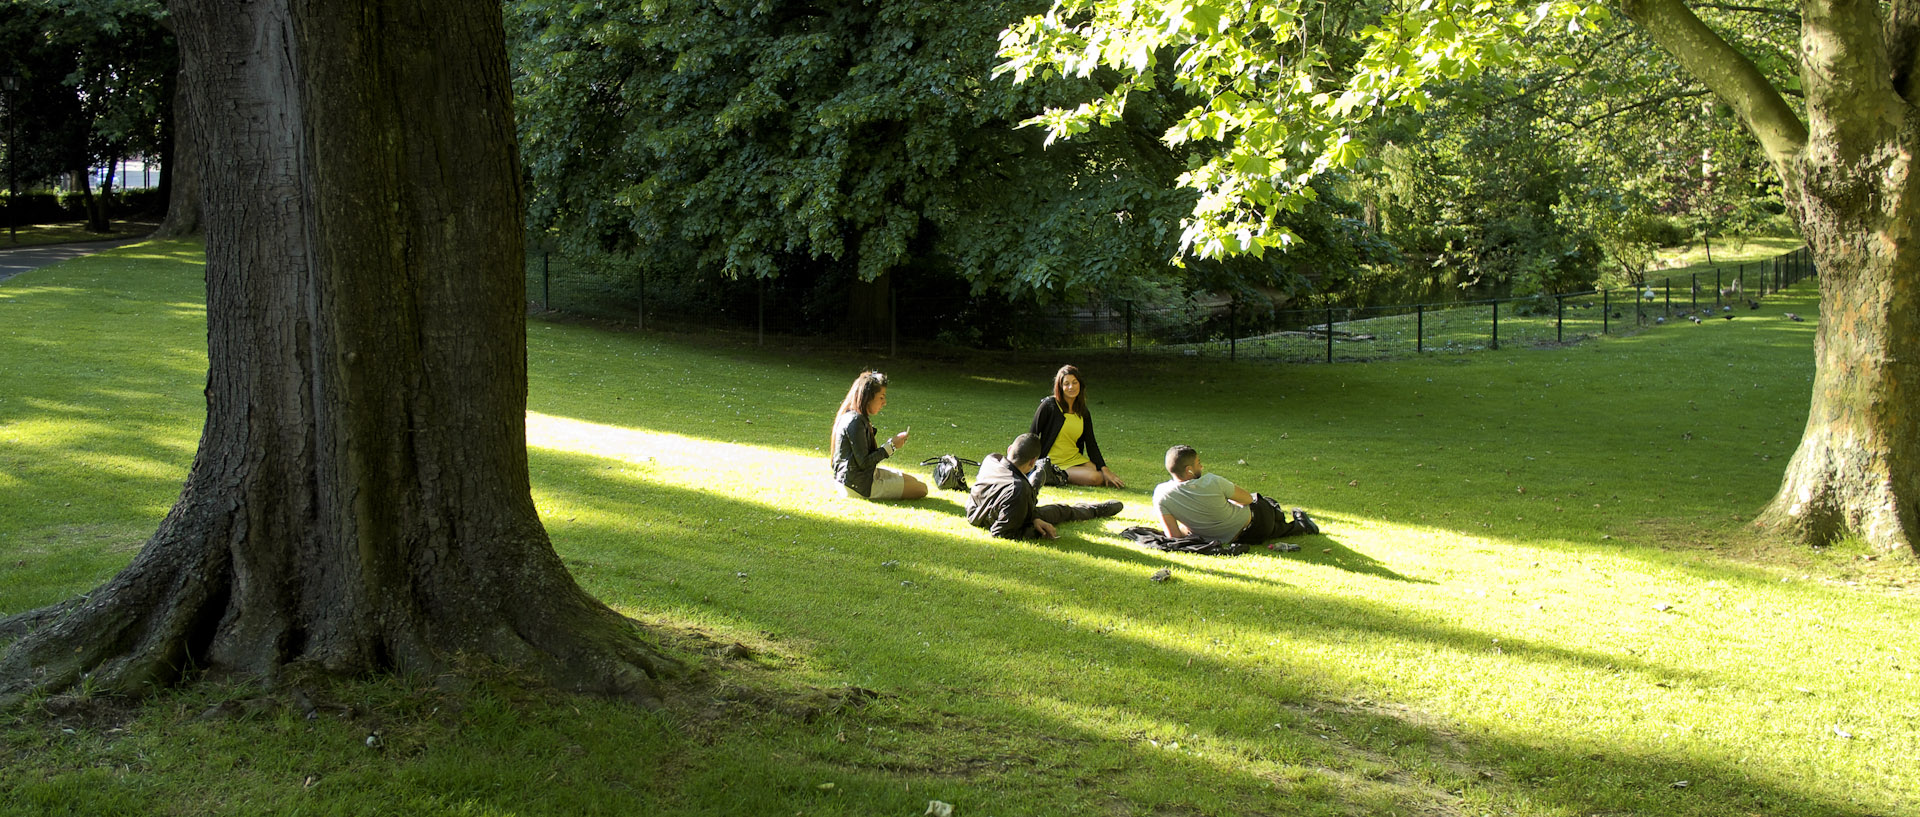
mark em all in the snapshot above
pixel 1173 526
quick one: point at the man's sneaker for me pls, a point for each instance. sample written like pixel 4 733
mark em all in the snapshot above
pixel 1107 508
pixel 1284 547
pixel 1301 518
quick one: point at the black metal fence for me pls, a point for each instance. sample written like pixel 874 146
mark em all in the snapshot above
pixel 1329 332
pixel 1218 326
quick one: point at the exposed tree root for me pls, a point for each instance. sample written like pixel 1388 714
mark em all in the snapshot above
pixel 157 624
pixel 1826 496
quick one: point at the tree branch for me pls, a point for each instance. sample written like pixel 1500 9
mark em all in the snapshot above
pixel 1725 71
pixel 1784 14
pixel 1632 106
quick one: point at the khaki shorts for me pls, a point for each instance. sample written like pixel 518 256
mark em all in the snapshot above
pixel 887 484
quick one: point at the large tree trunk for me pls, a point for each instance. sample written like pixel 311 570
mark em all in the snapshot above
pixel 360 500
pixel 182 155
pixel 100 207
pixel 83 181
pixel 1850 182
pixel 1858 466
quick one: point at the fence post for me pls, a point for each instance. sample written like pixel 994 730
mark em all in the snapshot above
pixel 1233 331
pixel 1716 287
pixel 1419 328
pixel 1329 330
pixel 1559 319
pixel 1669 283
pixel 1606 310
pixel 1496 325
pixel 1129 327
pixel 1693 304
pixel 546 280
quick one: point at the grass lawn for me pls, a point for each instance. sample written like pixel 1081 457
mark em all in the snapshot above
pixel 26 235
pixel 1535 593
pixel 1725 251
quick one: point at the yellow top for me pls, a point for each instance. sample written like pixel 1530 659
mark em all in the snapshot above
pixel 1066 447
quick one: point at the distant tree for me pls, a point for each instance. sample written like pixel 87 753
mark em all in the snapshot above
pixel 1574 159
pixel 360 502
pixel 98 76
pixel 1835 117
pixel 50 128
pixel 838 143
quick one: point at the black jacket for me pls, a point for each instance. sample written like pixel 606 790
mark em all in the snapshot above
pixel 1003 499
pixel 854 453
pixel 1047 420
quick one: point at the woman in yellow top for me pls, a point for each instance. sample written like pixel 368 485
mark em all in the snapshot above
pixel 1065 428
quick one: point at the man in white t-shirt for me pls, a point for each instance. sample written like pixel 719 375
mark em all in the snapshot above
pixel 1196 503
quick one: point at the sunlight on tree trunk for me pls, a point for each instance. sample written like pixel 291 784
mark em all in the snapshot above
pixel 1857 469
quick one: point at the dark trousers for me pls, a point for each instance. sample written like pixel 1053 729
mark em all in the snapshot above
pixel 1270 521
pixel 1060 514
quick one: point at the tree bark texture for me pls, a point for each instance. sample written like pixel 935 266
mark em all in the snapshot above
pixel 360 501
pixel 1849 183
pixel 182 160
pixel 1857 469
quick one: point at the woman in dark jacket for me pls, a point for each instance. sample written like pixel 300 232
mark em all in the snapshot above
pixel 1065 428
pixel 856 458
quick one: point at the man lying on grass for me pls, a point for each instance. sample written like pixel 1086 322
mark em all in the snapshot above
pixel 1006 496
pixel 1196 503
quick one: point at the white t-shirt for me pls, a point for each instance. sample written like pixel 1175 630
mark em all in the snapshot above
pixel 1202 505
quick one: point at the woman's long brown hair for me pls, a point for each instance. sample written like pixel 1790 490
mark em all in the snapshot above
pixel 1060 396
pixel 862 392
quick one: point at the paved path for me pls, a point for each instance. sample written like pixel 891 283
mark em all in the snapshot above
pixel 18 260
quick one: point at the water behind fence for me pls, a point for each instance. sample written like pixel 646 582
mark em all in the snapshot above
pixel 1325 332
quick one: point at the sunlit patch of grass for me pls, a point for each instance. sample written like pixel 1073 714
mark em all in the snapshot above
pixel 1726 250
pixel 1536 592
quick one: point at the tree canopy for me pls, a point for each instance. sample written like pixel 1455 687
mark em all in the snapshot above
pixel 1279 88
pixel 95 76
pixel 1283 90
pixel 827 143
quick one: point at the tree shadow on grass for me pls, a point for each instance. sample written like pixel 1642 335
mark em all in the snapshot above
pixel 1033 680
pixel 1325 549
pixel 967 630
pixel 1110 546
pixel 764 537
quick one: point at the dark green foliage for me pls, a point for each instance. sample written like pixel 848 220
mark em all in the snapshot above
pixel 826 140
pixel 1569 168
pixel 95 80
pixel 822 145
pixel 48 208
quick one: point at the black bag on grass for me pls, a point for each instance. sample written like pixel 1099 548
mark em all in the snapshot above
pixel 949 471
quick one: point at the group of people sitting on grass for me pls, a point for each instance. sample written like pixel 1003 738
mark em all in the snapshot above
pixel 1059 447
